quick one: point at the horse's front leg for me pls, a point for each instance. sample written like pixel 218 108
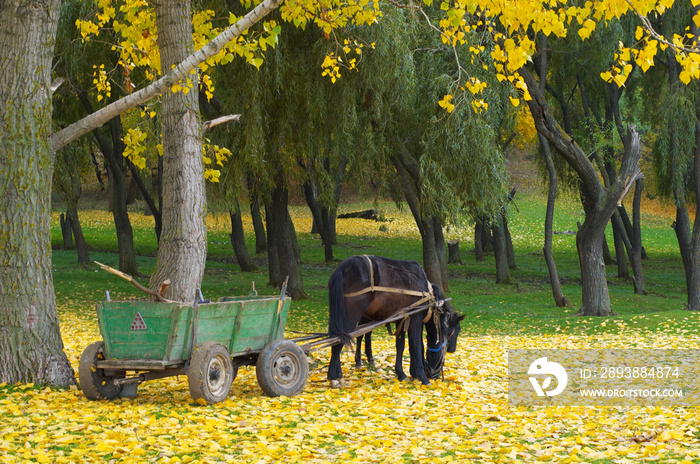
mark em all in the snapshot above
pixel 415 348
pixel 368 349
pixel 400 344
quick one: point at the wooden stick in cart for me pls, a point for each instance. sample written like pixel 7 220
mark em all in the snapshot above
pixel 153 293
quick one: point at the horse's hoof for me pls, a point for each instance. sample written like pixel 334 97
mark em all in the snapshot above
pixel 401 377
pixel 339 383
pixel 425 381
pixel 358 365
pixel 371 363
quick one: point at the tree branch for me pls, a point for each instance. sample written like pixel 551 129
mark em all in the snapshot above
pixel 221 120
pixel 99 118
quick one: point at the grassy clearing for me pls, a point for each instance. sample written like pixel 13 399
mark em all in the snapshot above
pixel 376 418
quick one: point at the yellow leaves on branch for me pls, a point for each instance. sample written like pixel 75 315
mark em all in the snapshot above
pixel 214 157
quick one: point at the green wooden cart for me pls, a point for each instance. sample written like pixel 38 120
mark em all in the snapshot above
pixel 207 342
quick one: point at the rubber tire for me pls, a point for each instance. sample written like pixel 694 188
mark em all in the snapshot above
pixel 93 381
pixel 282 369
pixel 210 374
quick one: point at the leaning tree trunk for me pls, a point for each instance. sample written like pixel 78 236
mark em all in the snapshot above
pixel 559 298
pixel 80 244
pixel 31 349
pixel 182 250
pixel 238 242
pixel 619 241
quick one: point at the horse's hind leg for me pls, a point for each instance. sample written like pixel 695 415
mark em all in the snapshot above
pixel 400 345
pixel 358 350
pixel 335 372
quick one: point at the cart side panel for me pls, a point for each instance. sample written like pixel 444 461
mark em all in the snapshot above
pixel 126 338
pixel 259 324
pixel 216 322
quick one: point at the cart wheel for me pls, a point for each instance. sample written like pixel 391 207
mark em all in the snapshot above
pixel 93 381
pixel 282 368
pixel 210 373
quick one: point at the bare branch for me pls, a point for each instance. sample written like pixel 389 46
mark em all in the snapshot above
pixel 223 119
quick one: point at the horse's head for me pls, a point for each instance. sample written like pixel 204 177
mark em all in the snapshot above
pixel 448 331
pixel 450 327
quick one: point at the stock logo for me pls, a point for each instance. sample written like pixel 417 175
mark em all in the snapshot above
pixel 549 368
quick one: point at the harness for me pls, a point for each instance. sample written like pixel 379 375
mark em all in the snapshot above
pixel 424 297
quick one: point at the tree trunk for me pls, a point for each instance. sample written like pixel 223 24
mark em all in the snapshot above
pixel 31 349
pixel 182 249
pixel 440 250
pixel 122 224
pixel 284 238
pixel 618 232
pixel 559 299
pixel 66 231
pixel 499 251
pixel 510 249
pixel 238 242
pixel 258 226
pixel 117 187
pixel 478 246
pixel 273 262
pixel 453 252
pixel 602 201
pixel 150 202
pixel 593 280
pixel 636 255
pixel 320 220
pixel 80 244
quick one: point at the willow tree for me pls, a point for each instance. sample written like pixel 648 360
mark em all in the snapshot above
pixel 441 164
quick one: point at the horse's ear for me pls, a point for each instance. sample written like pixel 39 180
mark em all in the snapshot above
pixel 461 318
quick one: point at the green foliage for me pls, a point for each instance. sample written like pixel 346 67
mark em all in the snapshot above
pixel 675 146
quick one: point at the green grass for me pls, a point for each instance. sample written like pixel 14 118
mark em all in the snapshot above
pixel 522 307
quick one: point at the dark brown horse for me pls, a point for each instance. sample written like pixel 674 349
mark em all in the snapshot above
pixel 352 298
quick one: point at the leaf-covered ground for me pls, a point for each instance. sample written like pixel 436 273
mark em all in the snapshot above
pixel 374 419
pixel 464 417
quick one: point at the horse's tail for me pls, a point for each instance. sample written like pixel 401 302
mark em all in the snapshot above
pixel 337 318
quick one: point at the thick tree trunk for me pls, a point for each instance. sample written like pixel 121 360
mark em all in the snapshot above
pixel 590 253
pixel 238 242
pixel 285 238
pixel 499 251
pixel 182 249
pixel 559 298
pixel 31 349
